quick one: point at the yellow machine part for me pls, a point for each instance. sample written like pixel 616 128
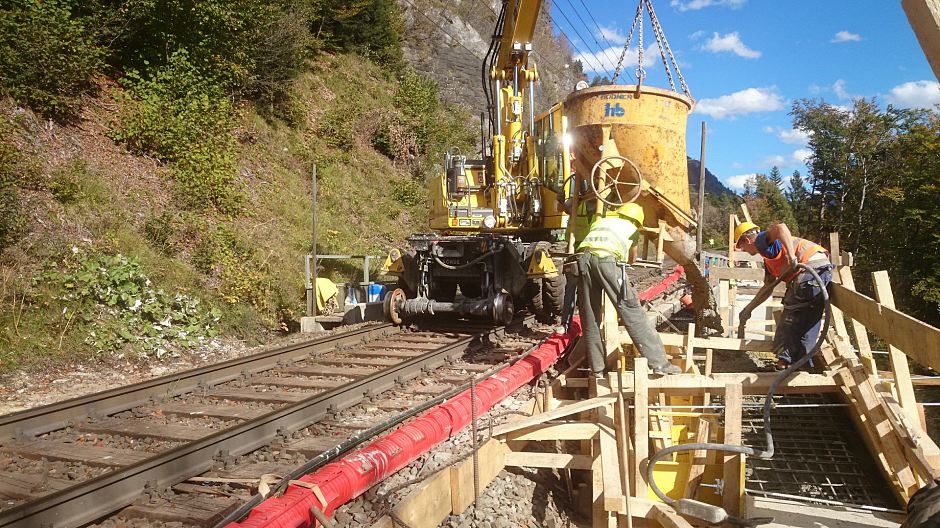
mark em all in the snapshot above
pixel 648 128
pixel 541 265
pixel 671 475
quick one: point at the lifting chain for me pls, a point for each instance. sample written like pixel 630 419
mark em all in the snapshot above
pixel 664 49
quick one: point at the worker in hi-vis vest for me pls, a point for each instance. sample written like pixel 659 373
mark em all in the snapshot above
pixel 803 304
pixel 602 268
pixel 580 224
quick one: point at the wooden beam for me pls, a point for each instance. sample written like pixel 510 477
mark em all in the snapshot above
pixel 733 472
pixel 665 515
pixel 555 431
pixel 899 366
pixel 641 425
pixel 548 460
pixel 915 338
pixel 429 503
pixel 610 459
pixel 554 414
pixel 861 333
pixel 698 459
pixel 754 274
pixel 752 382
pixel 490 459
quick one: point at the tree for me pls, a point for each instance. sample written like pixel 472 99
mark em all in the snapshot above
pixel 796 195
pixel 775 177
pixel 766 202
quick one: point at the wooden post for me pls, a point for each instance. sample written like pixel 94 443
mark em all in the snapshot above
pixel 899 365
pixel 660 239
pixel 861 333
pixel 688 349
pixel 834 256
pixel 733 473
pixel 641 426
pixel 747 213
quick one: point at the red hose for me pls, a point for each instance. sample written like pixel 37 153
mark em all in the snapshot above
pixel 347 478
pixel 658 289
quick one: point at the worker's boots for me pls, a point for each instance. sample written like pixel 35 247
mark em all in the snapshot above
pixel 666 370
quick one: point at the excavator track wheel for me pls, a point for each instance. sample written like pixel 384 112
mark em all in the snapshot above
pixel 393 304
pixel 616 180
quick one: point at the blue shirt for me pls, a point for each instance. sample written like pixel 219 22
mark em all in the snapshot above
pixel 769 250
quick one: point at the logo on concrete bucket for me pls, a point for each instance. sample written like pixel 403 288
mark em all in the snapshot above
pixel 613 111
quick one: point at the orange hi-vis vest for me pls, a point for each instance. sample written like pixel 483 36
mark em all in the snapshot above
pixel 804 250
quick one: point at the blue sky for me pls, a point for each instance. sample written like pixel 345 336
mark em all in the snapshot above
pixel 746 61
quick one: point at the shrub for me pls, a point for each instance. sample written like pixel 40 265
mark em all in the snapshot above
pixel 115 299
pixel 15 173
pixel 242 277
pixel 409 193
pixel 65 184
pixel 371 28
pixel 336 127
pixel 48 55
pixel 182 116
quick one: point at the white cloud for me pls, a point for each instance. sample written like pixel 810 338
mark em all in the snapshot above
pixel 697 35
pixel 769 129
pixel 838 88
pixel 606 59
pixel 793 136
pixel 736 164
pixel 815 89
pixel 802 155
pixel 612 34
pixel 746 101
pixel 730 42
pixel 737 182
pixel 773 161
pixel 694 5
pixel 846 36
pixel 915 94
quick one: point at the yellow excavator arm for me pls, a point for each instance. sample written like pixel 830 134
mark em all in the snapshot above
pixel 522 16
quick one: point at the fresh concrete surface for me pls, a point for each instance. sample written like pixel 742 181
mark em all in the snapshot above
pixel 789 514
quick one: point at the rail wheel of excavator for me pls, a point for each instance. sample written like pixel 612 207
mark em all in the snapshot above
pixel 392 305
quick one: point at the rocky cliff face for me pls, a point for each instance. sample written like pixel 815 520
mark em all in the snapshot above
pixel 448 40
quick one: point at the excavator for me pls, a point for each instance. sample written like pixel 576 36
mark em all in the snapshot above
pixel 500 231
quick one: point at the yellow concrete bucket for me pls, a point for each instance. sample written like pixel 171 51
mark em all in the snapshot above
pixel 627 135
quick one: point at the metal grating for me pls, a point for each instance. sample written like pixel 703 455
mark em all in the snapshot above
pixel 818 453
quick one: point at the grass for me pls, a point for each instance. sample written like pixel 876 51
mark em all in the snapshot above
pixel 125 205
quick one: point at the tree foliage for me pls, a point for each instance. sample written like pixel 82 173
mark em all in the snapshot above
pixel 873 177
pixel 766 202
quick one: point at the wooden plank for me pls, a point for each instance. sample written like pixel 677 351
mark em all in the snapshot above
pixel 752 382
pixel 322 370
pixel 404 354
pixel 554 414
pixel 733 471
pixel 352 360
pixel 555 431
pixel 273 396
pixel 610 457
pixel 188 508
pixel 85 452
pixel 142 429
pixel 752 274
pixel 688 349
pixel 295 381
pixel 915 338
pixel 492 459
pixel 666 516
pixel 29 485
pixel 641 426
pixel 548 460
pixel 403 345
pixel 227 412
pixel 861 333
pixel 314 445
pixel 884 441
pixel 429 503
pixel 899 365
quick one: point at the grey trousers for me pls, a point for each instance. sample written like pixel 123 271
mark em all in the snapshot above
pixel 601 275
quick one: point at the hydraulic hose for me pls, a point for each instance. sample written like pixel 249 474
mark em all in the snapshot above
pixel 768 452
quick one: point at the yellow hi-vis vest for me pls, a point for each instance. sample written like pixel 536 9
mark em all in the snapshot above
pixel 610 234
pixel 582 222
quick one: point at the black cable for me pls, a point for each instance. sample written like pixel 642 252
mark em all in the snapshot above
pixel 601 32
pixel 600 47
pixel 768 452
pixel 578 34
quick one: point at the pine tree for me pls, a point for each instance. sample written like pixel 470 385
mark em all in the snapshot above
pixel 775 177
pixel 796 195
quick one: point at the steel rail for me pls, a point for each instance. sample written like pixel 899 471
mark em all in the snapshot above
pixel 98 497
pixel 55 416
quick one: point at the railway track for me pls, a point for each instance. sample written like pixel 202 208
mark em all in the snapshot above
pixel 132 449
